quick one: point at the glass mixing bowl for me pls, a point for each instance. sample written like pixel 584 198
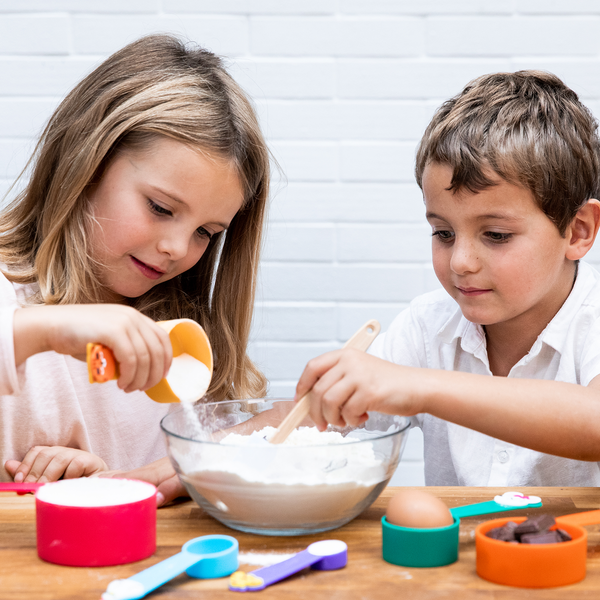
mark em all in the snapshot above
pixel 294 488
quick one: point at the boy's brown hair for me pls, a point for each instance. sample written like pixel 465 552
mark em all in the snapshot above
pixel 529 129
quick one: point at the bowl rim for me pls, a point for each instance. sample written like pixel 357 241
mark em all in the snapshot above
pixel 167 432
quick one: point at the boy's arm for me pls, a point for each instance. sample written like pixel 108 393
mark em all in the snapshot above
pixel 548 416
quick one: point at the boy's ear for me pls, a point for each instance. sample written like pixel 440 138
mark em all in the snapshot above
pixel 583 229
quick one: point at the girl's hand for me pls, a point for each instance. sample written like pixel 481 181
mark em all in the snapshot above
pixel 159 473
pixel 51 463
pixel 348 383
pixel 142 348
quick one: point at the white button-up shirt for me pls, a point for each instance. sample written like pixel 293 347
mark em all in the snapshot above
pixel 433 333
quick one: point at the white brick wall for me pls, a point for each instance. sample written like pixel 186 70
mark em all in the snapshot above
pixel 344 89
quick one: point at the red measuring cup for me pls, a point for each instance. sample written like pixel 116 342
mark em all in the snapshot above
pixel 116 527
pixel 535 565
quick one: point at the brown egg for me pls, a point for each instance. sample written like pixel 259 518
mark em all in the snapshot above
pixel 413 508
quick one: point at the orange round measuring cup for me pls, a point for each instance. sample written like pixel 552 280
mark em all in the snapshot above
pixel 535 565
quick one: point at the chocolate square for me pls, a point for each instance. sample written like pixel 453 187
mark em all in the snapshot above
pixel 535 524
pixel 545 537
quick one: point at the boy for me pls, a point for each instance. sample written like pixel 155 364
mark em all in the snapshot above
pixel 510 174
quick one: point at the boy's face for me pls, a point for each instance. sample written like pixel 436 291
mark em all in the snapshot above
pixel 155 212
pixel 496 253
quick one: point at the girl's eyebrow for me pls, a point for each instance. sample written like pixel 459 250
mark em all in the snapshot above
pixel 166 193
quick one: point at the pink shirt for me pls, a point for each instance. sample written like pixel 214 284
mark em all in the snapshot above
pixel 48 401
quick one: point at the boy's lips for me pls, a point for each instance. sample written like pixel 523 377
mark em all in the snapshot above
pixel 469 291
pixel 147 270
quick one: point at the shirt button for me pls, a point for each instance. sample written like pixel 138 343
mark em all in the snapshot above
pixel 503 456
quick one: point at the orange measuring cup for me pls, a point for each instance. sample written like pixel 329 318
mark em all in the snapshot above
pixel 186 336
pixel 535 565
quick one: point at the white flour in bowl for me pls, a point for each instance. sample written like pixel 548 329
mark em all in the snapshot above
pixel 313 477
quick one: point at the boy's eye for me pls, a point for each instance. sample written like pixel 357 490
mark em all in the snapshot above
pixel 497 237
pixel 158 209
pixel 444 236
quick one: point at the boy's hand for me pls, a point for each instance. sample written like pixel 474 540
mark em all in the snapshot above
pixel 161 474
pixel 348 383
pixel 142 348
pixel 51 463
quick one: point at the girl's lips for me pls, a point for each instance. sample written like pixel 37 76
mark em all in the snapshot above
pixel 472 291
pixel 147 270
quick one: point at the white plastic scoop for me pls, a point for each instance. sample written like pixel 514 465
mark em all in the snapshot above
pixel 361 340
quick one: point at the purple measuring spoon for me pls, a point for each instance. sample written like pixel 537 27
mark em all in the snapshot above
pixel 326 555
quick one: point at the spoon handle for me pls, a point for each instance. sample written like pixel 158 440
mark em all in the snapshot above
pixel 361 340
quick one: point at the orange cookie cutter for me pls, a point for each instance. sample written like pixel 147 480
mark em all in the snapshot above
pixel 535 565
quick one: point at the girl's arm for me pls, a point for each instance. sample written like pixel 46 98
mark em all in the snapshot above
pixel 547 416
pixel 141 347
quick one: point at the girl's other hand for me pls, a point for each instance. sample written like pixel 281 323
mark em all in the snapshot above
pixel 159 473
pixel 142 348
pixel 51 463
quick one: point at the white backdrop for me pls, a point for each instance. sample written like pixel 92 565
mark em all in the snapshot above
pixel 344 89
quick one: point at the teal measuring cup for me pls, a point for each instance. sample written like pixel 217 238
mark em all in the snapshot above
pixel 438 546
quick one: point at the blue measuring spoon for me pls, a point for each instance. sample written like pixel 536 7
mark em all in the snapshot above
pixel 326 555
pixel 206 557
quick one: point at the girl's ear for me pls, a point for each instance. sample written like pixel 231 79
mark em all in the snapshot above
pixel 582 230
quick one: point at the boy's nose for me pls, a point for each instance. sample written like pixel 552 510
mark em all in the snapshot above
pixel 464 258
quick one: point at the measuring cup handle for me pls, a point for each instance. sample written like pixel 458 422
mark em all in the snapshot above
pixel 589 517
pixel 279 571
pixel 20 488
pixel 157 575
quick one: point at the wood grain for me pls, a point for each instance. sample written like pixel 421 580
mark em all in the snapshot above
pixel 24 576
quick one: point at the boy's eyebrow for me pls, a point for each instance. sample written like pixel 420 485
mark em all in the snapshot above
pixel 499 216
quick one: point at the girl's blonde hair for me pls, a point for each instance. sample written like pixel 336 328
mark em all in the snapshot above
pixel 156 86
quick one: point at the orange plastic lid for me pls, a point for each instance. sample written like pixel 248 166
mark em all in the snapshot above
pixel 101 363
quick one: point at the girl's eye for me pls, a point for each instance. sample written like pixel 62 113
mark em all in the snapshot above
pixel 444 236
pixel 203 233
pixel 497 237
pixel 158 209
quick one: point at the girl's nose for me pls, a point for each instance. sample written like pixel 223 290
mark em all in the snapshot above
pixel 174 243
pixel 464 258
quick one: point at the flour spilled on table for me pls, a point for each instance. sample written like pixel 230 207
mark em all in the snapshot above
pixel 265 559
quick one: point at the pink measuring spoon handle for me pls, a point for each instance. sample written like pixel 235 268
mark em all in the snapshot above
pixel 20 488
pixel 589 517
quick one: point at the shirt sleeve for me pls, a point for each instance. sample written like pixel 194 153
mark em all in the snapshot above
pixel 590 355
pixel 403 343
pixel 9 383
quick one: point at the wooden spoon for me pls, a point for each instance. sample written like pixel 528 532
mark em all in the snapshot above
pixel 361 340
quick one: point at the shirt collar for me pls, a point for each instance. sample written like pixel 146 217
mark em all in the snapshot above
pixel 472 335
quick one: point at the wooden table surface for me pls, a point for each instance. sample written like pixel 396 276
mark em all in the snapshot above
pixel 24 576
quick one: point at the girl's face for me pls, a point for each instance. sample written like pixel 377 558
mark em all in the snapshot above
pixel 155 213
pixel 496 252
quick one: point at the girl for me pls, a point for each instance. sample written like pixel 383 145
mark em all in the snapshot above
pixel 146 202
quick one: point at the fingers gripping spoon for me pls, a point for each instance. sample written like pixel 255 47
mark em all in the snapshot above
pixel 361 340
